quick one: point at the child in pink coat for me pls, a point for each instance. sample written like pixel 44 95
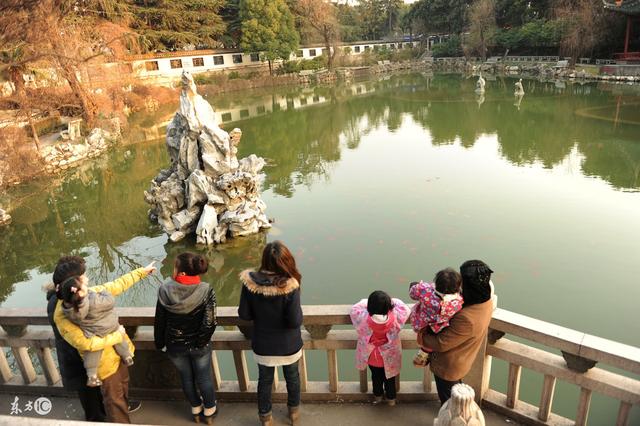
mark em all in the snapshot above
pixel 436 303
pixel 378 321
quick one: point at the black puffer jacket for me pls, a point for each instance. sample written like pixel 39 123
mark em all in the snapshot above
pixel 185 316
pixel 275 311
pixel 74 376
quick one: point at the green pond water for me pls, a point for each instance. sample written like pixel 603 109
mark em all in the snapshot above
pixel 379 183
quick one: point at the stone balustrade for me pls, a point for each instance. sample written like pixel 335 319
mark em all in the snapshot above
pixel 569 356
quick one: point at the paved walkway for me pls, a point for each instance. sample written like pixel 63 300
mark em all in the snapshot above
pixel 240 414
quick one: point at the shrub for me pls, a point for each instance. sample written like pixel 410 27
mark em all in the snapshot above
pixel 289 67
pixel 251 75
pixel 384 54
pixel 451 47
pixel 315 64
pixel 216 78
pixel 233 75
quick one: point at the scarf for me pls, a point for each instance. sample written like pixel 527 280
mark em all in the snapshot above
pixel 187 279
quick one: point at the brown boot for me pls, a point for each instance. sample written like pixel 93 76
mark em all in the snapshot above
pixel 294 414
pixel 266 419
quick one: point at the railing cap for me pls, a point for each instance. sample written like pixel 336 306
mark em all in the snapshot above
pixel 565 339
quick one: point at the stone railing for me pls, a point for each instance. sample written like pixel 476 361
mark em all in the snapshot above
pixel 153 377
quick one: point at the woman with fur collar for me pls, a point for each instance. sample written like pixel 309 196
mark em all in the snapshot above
pixel 271 299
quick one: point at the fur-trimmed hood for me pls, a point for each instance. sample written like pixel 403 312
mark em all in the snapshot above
pixel 259 283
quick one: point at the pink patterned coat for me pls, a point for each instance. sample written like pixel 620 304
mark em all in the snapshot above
pixel 392 350
pixel 433 310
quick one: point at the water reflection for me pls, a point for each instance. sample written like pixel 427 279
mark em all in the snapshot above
pixel 304 142
pixel 98 211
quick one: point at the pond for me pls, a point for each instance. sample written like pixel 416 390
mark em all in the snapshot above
pixel 378 183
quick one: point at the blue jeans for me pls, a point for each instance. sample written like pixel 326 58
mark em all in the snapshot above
pixel 265 384
pixel 194 367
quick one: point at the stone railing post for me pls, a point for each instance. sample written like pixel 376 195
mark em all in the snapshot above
pixel 478 377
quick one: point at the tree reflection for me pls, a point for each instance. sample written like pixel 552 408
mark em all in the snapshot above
pixel 97 207
pixel 99 211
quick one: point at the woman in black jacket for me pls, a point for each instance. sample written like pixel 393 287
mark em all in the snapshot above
pixel 271 299
pixel 185 321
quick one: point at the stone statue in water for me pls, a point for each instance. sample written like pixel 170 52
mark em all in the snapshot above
pixel 5 219
pixel 460 409
pixel 519 89
pixel 206 190
pixel 480 84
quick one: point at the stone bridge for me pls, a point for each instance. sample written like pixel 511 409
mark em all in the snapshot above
pixel 555 352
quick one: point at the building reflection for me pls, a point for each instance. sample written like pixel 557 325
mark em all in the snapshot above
pixel 98 210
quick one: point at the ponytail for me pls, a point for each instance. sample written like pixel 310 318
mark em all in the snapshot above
pixel 191 264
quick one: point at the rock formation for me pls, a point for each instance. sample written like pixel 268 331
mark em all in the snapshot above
pixel 460 409
pixel 206 190
pixel 65 155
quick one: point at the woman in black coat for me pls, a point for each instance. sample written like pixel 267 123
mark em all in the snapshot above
pixel 185 321
pixel 271 299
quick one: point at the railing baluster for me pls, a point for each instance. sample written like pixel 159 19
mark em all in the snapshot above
pixel 546 398
pixel 364 384
pixel 623 414
pixel 426 380
pixel 241 369
pixel 49 367
pixel 302 368
pixel 332 359
pixel 217 378
pixel 513 385
pixel 583 407
pixel 276 379
pixel 24 364
pixel 5 370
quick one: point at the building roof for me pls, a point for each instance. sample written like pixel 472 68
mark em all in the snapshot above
pixel 627 7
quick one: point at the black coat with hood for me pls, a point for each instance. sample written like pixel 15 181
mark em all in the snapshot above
pixel 275 312
pixel 185 316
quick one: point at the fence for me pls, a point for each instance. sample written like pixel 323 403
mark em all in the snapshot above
pixel 579 353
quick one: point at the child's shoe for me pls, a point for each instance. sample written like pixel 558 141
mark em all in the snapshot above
pixel 391 402
pixel 421 359
pixel 377 400
pixel 93 381
pixel 128 361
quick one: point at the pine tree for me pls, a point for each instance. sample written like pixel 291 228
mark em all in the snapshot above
pixel 175 24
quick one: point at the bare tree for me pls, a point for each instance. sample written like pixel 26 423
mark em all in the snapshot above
pixel 322 17
pixel 57 35
pixel 584 24
pixel 482 26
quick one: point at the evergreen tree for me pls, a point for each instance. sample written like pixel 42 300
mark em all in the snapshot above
pixel 175 24
pixel 231 16
pixel 268 27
